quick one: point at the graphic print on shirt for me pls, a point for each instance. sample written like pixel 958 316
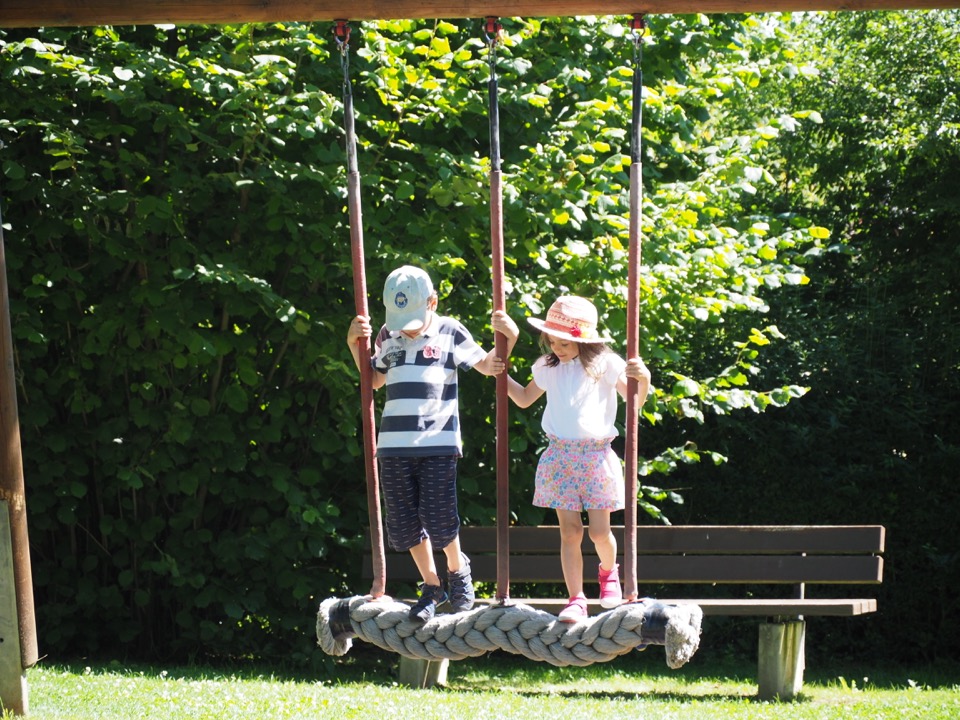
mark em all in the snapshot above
pixel 394 358
pixel 432 352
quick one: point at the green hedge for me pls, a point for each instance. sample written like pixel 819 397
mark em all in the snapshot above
pixel 180 275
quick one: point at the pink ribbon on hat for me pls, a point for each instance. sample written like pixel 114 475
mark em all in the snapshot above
pixel 574 330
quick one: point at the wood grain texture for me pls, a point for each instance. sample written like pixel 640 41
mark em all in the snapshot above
pixel 23 13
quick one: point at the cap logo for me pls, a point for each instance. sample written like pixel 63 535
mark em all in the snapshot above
pixel 400 300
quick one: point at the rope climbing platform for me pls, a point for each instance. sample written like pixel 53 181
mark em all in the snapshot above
pixel 515 628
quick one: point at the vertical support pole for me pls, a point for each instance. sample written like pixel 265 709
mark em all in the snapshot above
pixel 13 681
pixel 492 29
pixel 378 557
pixel 633 321
pixel 11 474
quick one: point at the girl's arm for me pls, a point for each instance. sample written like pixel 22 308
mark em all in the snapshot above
pixel 638 371
pixel 523 396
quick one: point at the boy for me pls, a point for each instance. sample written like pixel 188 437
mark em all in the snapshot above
pixel 417 355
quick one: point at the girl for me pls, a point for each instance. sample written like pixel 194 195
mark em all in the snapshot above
pixel 579 470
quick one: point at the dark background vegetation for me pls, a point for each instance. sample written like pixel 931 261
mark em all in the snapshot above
pixel 180 277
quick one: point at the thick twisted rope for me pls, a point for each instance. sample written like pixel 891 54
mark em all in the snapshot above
pixel 518 629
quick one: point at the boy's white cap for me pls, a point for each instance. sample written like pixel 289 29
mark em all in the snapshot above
pixel 405 296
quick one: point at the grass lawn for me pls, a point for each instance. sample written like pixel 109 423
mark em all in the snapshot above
pixel 363 685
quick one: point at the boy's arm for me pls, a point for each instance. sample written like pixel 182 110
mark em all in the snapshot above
pixel 522 396
pixel 490 365
pixel 502 323
pixel 359 328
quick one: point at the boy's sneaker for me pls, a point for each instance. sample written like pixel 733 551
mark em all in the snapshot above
pixel 460 584
pixel 611 595
pixel 426 605
pixel 575 611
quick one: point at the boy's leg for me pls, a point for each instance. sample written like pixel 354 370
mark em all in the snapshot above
pixel 422 555
pixel 401 495
pixel 453 555
pixel 440 517
pixel 431 590
pixel 401 490
pixel 459 579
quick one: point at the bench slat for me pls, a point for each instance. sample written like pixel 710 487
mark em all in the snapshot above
pixel 846 607
pixel 727 569
pixel 698 539
pixel 752 555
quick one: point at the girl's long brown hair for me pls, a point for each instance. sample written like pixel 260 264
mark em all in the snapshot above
pixel 589 352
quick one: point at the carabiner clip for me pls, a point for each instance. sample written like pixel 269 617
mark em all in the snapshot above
pixel 492 28
pixel 639 27
pixel 341 32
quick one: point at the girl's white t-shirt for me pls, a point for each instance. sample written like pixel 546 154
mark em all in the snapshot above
pixel 579 406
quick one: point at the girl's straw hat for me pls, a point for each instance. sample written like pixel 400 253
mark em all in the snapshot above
pixel 571 318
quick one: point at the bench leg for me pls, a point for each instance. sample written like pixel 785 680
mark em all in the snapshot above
pixel 781 660
pixel 423 673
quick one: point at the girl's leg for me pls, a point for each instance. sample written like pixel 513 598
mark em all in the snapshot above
pixel 611 593
pixel 571 557
pixel 603 538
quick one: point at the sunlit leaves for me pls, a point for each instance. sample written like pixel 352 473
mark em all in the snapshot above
pixel 186 227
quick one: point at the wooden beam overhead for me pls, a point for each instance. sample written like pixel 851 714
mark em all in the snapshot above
pixel 46 13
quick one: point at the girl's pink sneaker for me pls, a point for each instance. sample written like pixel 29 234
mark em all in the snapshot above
pixel 575 611
pixel 611 595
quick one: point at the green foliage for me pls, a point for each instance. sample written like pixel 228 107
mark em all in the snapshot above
pixel 181 282
pixel 875 335
pixel 173 244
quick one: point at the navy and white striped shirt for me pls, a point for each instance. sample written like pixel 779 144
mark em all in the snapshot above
pixel 421 413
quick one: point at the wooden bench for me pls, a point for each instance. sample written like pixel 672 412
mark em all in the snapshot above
pixel 745 557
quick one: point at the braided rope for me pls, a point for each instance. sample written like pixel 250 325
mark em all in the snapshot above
pixel 519 629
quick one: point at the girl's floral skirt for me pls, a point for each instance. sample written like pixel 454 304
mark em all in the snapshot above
pixel 579 475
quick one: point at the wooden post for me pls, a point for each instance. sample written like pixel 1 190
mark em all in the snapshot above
pixel 49 13
pixel 13 680
pixel 423 673
pixel 781 660
pixel 11 477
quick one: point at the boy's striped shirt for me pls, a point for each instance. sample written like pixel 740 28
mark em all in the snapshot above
pixel 421 413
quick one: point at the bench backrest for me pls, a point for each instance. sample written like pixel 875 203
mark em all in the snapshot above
pixel 704 554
